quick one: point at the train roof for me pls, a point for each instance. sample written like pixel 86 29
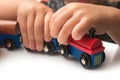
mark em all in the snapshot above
pixel 87 44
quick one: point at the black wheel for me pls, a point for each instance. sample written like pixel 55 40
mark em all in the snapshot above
pixel 85 60
pixel 64 51
pixel 9 44
pixel 48 47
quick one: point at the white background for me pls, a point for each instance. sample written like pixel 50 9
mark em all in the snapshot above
pixel 23 65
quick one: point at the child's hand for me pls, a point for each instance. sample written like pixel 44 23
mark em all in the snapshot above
pixel 33 18
pixel 77 19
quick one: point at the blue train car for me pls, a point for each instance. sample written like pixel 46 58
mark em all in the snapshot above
pixel 10 37
pixel 51 47
pixel 10 41
pixel 87 60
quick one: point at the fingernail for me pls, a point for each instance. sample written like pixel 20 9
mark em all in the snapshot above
pixel 26 44
pixel 77 37
pixel 39 48
pixel 32 46
pixel 47 39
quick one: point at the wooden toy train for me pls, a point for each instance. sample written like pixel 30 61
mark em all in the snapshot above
pixel 9 34
pixel 88 50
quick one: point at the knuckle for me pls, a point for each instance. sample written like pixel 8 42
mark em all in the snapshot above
pixel 71 4
pixel 30 9
pixel 41 8
pixel 79 13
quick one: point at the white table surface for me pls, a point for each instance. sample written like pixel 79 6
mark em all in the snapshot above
pixel 23 65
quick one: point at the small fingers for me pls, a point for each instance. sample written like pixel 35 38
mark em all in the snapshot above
pixel 47 36
pixel 59 22
pixel 67 29
pixel 30 29
pixel 22 19
pixel 57 13
pixel 39 30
